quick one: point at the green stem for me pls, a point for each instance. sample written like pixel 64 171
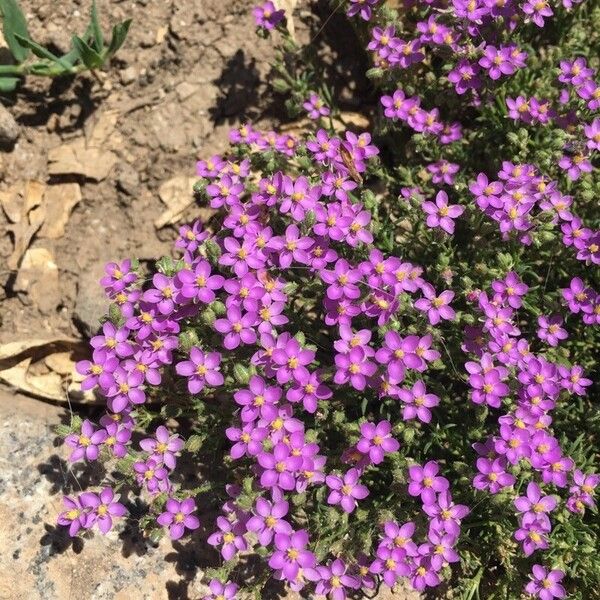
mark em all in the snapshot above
pixel 11 70
pixel 25 69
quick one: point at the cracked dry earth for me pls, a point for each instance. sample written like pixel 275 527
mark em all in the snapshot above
pixel 190 70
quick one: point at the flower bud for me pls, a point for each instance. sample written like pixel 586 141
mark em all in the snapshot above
pixel 241 374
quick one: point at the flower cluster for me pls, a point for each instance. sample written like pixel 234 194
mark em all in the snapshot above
pixel 389 337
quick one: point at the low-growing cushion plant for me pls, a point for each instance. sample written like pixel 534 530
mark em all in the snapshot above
pixel 383 347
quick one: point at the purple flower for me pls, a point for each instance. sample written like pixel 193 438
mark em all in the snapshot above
pixel 399 353
pixel 267 16
pixel 241 256
pixel 342 281
pixel 333 579
pixel 391 563
pixel 125 389
pixel 536 505
pixel 532 533
pixel 575 165
pixel 291 555
pixel 164 447
pixel 400 536
pixel 323 147
pixel 221 591
pixel 116 439
pixel 299 197
pixel 346 490
pixel 292 247
pixel 497 61
pixel 424 574
pixel 231 535
pixel 445 515
pixel 290 359
pixel 247 441
pixel 513 443
pixel 310 390
pixel 436 307
pixel 268 520
pixel 492 475
pixel 114 341
pixel 190 238
pixel 440 214
pixel 279 467
pixel 211 167
pixel 153 475
pixel 537 10
pixel 354 367
pixel 315 107
pixel 544 584
pixel 258 400
pixel 199 283
pixel 425 482
pixel 98 371
pixel 86 444
pixel 362 8
pixel 102 508
pixel 464 76
pixel 578 296
pixel 550 329
pixel 592 132
pixel 487 386
pixel 417 402
pixel 202 369
pixel 510 290
pixel 376 440
pixel 161 294
pixel 440 548
pixel 75 517
pixel 237 328
pixel 443 172
pixel 178 517
pixel 573 379
pixel 118 277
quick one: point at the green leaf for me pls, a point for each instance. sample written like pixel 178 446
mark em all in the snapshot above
pixel 89 57
pixel 40 51
pixel 97 31
pixel 14 25
pixel 72 56
pixel 8 84
pixel 119 34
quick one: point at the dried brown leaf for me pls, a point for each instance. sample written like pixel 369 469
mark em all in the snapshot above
pixel 102 129
pixel 14 349
pixel 59 201
pixel 38 278
pixel 288 6
pixel 47 385
pixel 177 194
pixel 12 202
pixel 77 159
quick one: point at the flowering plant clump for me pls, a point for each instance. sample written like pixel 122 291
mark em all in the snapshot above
pixel 386 341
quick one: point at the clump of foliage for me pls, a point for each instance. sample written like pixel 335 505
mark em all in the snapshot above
pixel 386 341
pixel 88 52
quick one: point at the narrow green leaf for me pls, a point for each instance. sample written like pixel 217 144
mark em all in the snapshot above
pixel 119 34
pixel 97 31
pixel 8 84
pixel 40 51
pixel 89 57
pixel 14 24
pixel 72 56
